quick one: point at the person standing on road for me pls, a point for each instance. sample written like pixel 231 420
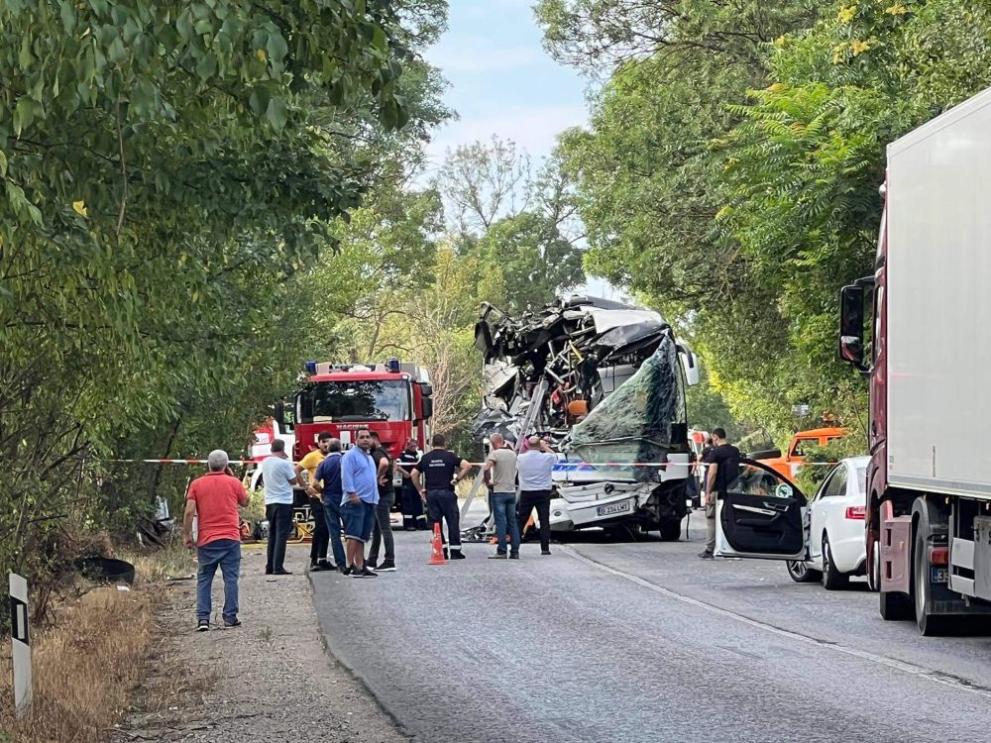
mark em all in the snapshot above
pixel 213 500
pixel 359 478
pixel 723 467
pixel 437 468
pixel 383 511
pixel 328 475
pixel 534 467
pixel 278 478
pixel 321 536
pixel 412 504
pixel 500 476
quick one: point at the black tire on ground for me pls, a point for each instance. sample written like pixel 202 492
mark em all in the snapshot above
pixel 800 572
pixel 832 579
pixel 895 606
pixel 929 624
pixel 874 568
pixel 670 531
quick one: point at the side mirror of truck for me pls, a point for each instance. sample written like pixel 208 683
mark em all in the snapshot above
pixel 852 325
pixel 426 389
pixel 428 408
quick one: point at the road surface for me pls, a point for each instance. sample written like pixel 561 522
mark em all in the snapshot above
pixel 644 642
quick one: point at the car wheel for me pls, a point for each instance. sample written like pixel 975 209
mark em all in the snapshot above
pixel 800 571
pixel 832 579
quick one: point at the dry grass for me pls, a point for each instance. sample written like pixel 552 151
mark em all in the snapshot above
pixel 84 669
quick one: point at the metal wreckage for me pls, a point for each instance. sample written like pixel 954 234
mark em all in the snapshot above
pixel 606 382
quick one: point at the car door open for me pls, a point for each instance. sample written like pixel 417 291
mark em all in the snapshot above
pixel 761 515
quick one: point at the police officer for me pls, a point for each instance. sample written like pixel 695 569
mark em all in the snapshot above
pixel 441 470
pixel 410 502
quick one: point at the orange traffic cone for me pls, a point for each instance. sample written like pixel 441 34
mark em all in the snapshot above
pixel 437 548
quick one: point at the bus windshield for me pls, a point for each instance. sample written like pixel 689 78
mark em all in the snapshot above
pixel 355 401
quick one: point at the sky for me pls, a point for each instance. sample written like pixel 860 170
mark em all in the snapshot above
pixel 501 80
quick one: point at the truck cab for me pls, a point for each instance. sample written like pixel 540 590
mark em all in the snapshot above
pixel 798 449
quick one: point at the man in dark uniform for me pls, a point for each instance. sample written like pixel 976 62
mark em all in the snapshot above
pixel 383 511
pixel 441 470
pixel 410 502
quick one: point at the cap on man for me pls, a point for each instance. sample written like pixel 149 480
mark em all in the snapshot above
pixel 213 501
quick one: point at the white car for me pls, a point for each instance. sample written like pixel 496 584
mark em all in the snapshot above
pixel 836 547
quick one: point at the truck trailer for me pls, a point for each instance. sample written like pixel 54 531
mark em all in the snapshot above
pixel 928 525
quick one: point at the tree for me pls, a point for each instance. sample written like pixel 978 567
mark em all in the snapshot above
pixel 521 224
pixel 170 171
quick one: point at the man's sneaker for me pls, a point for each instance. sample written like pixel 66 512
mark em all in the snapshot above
pixel 387 566
pixel 456 555
pixel 203 625
pixel 498 556
pixel 232 624
pixel 545 552
pixel 705 555
pixel 357 573
pixel 368 573
pixel 514 555
pixel 372 564
pixel 345 569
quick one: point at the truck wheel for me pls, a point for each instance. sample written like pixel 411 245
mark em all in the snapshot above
pixel 895 606
pixel 670 531
pixel 874 568
pixel 800 572
pixel 929 624
pixel 832 579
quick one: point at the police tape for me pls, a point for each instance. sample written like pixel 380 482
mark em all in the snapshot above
pixel 565 463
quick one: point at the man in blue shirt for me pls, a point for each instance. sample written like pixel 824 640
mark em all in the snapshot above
pixel 359 478
pixel 329 473
pixel 278 477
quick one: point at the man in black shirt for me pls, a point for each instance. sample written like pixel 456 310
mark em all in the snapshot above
pixel 383 511
pixel 441 470
pixel 412 506
pixel 723 467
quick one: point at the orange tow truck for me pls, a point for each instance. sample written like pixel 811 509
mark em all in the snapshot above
pixel 798 448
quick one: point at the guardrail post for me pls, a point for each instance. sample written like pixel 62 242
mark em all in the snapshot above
pixel 21 644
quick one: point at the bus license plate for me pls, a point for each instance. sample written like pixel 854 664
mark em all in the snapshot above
pixel 613 508
pixel 938 575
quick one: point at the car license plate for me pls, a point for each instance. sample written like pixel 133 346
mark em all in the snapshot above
pixel 938 575
pixel 612 508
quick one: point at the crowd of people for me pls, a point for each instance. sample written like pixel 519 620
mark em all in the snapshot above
pixel 352 494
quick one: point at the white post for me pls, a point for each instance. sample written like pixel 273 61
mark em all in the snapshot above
pixel 20 641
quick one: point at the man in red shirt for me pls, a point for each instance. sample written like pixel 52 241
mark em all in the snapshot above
pixel 213 500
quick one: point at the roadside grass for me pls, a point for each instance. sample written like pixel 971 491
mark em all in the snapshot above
pixel 84 668
pixel 89 661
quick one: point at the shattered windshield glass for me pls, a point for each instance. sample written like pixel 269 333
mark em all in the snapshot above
pixel 642 419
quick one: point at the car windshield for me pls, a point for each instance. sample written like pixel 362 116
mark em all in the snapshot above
pixel 356 400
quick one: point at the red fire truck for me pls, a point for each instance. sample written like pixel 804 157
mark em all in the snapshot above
pixel 394 400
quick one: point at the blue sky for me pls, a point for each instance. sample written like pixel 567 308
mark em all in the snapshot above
pixel 501 79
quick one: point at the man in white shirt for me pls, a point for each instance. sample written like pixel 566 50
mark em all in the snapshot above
pixel 278 477
pixel 534 467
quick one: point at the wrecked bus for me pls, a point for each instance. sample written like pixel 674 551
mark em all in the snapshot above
pixel 606 381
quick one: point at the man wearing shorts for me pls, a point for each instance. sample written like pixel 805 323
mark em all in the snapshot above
pixel 359 477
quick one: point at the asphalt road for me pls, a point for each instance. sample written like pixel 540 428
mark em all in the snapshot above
pixel 644 642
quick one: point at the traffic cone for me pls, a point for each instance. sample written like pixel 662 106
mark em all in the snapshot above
pixel 437 548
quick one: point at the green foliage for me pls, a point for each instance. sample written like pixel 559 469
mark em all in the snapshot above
pixel 731 169
pixel 171 173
